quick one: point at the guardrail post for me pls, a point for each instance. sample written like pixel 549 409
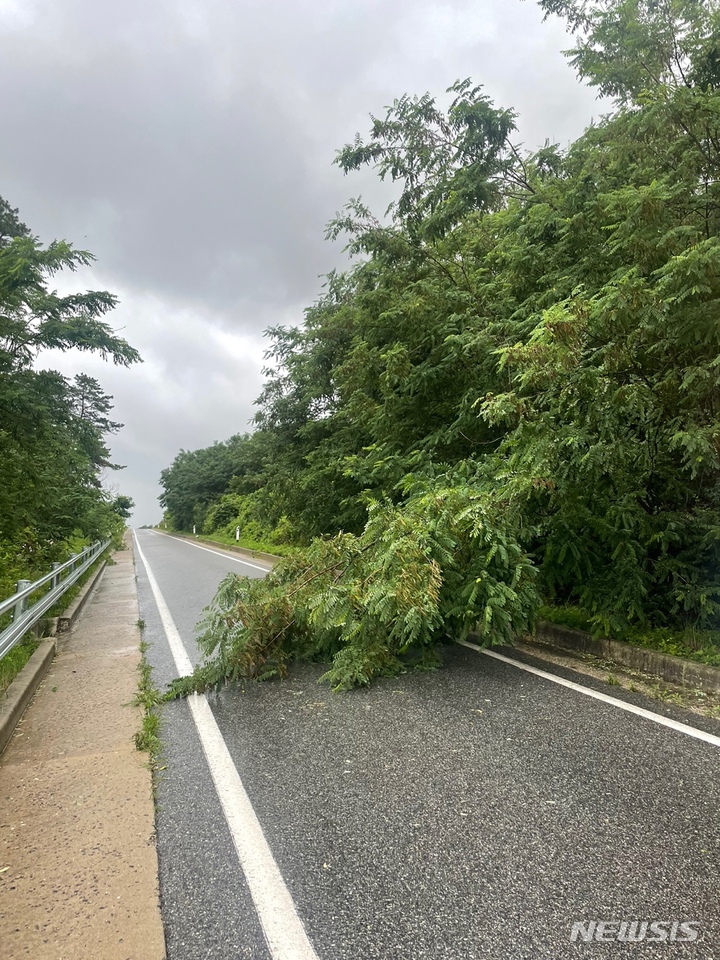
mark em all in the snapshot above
pixel 56 579
pixel 21 606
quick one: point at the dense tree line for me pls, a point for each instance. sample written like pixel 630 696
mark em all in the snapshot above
pixel 52 428
pixel 515 388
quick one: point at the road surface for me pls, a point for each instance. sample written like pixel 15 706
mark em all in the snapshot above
pixel 479 811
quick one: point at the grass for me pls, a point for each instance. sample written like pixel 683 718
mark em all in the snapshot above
pixel 565 616
pixel 13 662
pixel 147 738
pixel 701 646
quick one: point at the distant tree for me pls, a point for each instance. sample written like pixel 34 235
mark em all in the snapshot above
pixel 123 506
pixel 91 405
pixel 196 478
pixel 10 225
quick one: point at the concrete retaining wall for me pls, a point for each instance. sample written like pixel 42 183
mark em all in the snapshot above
pixel 700 676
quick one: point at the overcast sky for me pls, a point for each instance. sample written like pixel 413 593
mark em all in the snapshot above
pixel 188 144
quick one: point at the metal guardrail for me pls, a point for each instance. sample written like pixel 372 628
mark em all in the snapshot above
pixel 61 578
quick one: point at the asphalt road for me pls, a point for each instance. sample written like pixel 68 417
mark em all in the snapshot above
pixel 475 812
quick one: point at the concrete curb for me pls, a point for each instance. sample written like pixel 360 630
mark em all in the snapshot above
pixel 21 691
pixel 672 669
pixel 270 558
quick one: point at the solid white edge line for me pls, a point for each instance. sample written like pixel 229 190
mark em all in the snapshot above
pixel 218 553
pixel 183 663
pixel 284 931
pixel 603 697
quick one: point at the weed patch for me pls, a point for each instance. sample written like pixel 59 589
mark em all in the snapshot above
pixel 147 738
pixel 13 662
pixel 262 546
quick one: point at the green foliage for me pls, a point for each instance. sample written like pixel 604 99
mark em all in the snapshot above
pixel 565 616
pixel 703 646
pixel 247 513
pixel 34 318
pixel 612 406
pixel 52 429
pixel 196 478
pixel 543 323
pixel 13 662
pixel 435 567
pixel 10 224
pixel 246 543
pixel 628 47
pixel 148 697
pixel 448 162
pixel 123 506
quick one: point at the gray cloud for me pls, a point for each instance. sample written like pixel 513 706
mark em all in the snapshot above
pixel 189 145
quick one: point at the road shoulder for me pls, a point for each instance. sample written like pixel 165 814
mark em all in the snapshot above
pixel 77 858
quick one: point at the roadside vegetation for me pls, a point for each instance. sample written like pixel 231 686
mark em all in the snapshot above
pixel 512 397
pixel 13 662
pixel 261 546
pixel 52 429
pixel 149 699
pixel 687 642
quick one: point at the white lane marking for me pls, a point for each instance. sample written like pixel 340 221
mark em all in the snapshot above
pixel 284 931
pixel 603 697
pixel 218 553
pixel 183 662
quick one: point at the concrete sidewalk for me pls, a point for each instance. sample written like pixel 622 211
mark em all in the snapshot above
pixel 78 865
